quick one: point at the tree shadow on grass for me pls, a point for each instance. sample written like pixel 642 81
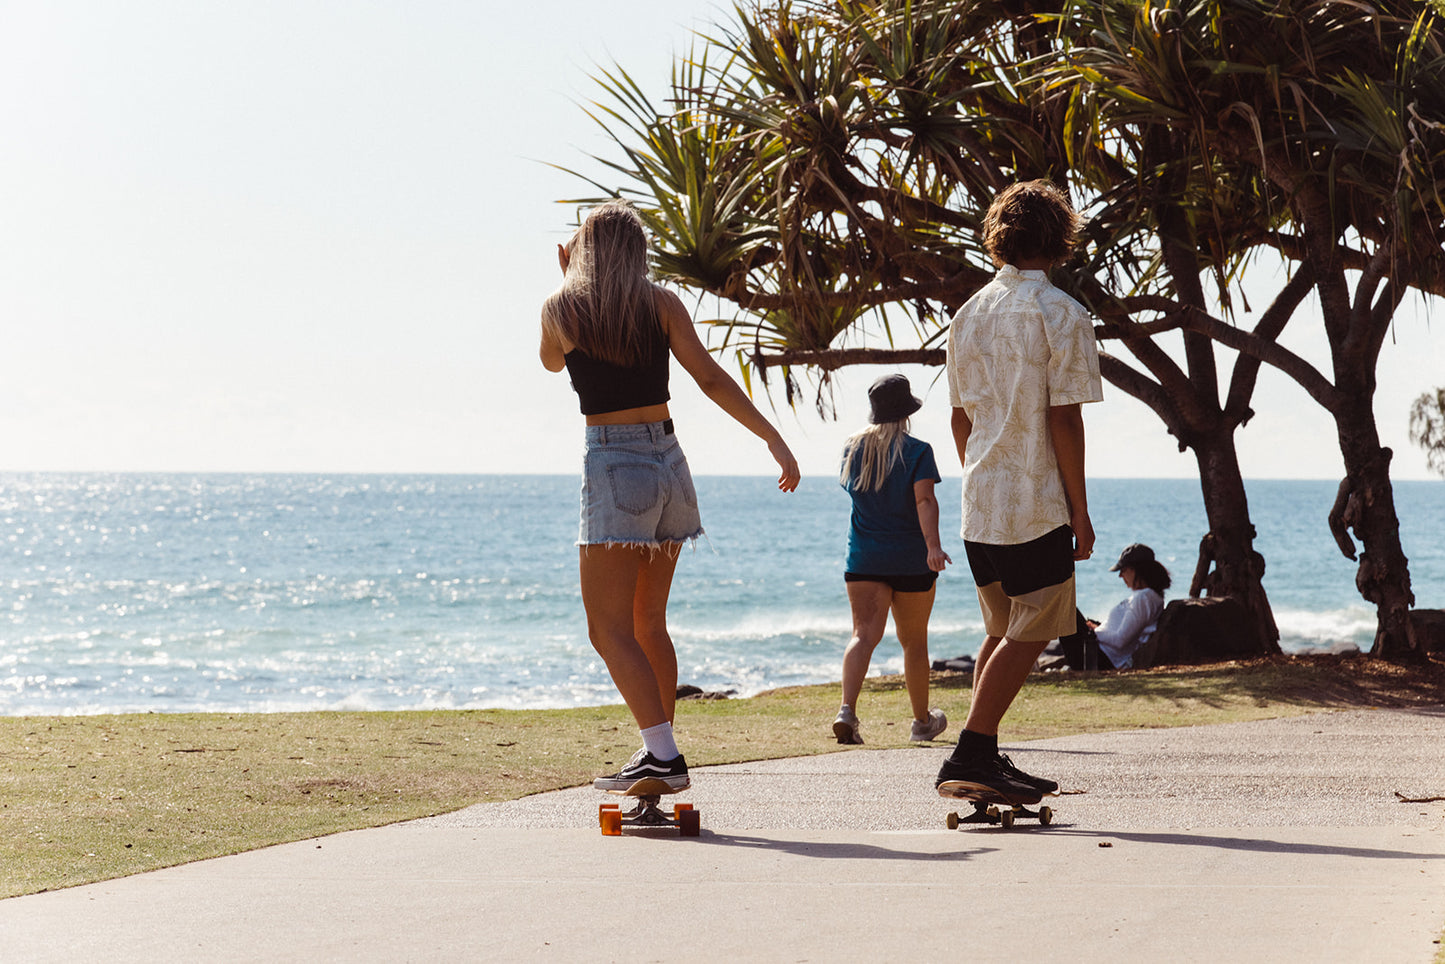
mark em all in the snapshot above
pixel 1316 682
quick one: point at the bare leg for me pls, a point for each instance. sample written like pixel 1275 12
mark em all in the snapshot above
pixel 869 602
pixel 609 577
pixel 998 682
pixel 649 619
pixel 910 618
pixel 985 652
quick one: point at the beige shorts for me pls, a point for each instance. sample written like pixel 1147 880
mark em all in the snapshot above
pixel 1034 617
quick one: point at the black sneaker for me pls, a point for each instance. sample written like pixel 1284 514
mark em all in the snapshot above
pixel 645 766
pixel 987 774
pixel 1047 787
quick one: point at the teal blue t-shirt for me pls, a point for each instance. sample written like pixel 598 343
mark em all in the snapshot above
pixel 884 538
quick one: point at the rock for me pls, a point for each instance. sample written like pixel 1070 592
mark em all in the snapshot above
pixel 686 691
pixel 1427 630
pixel 1193 631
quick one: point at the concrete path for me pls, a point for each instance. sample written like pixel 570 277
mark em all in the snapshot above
pixel 1282 838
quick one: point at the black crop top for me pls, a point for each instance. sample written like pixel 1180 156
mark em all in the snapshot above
pixel 603 387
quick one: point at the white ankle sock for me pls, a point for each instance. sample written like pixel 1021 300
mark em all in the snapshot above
pixel 659 742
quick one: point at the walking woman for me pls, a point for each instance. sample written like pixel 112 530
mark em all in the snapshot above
pixel 894 553
pixel 614 331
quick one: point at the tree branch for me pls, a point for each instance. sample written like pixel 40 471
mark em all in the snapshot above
pixel 948 290
pixel 1268 329
pixel 831 359
pixel 1135 383
pixel 1267 351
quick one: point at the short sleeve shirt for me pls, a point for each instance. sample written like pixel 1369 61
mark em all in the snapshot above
pixel 885 538
pixel 1017 348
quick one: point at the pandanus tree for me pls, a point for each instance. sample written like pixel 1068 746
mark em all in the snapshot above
pixel 822 167
pixel 1323 124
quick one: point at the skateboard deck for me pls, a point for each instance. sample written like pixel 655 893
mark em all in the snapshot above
pixel 990 806
pixel 648 814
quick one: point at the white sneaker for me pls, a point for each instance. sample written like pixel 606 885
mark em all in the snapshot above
pixel 845 727
pixel 929 730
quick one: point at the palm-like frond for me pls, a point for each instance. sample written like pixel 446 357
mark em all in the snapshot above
pixel 1344 93
pixel 819 161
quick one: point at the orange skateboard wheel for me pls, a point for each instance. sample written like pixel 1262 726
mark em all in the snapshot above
pixel 611 820
pixel 689 822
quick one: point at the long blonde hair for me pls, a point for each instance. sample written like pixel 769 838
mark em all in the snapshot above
pixel 607 303
pixel 875 450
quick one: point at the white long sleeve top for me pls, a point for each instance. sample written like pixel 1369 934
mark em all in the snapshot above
pixel 1129 626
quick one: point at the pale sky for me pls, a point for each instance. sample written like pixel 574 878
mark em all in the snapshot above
pixel 314 236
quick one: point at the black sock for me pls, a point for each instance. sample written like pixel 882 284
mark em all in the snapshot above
pixel 972 746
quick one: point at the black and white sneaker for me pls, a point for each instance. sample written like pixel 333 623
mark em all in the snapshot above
pixel 645 766
pixel 987 775
pixel 1046 787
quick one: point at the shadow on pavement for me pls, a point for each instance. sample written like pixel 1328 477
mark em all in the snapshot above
pixel 1238 843
pixel 836 851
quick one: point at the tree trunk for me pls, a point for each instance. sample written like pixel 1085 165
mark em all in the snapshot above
pixel 1228 563
pixel 1357 326
pixel 1366 504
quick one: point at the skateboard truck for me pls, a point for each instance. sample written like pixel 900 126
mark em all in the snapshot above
pixel 991 813
pixel 989 806
pixel 648 814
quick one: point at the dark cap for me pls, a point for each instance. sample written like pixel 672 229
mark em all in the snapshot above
pixel 1131 557
pixel 891 400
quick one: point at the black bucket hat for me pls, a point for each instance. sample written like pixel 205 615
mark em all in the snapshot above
pixel 1131 557
pixel 891 400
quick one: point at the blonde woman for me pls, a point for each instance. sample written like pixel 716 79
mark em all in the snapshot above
pixel 894 553
pixel 615 331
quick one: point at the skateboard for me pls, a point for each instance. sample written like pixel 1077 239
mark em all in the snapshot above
pixel 990 806
pixel 648 814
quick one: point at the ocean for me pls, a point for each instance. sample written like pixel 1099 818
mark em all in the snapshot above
pixel 266 593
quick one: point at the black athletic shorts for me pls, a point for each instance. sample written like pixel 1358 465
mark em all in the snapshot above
pixel 908 583
pixel 1027 567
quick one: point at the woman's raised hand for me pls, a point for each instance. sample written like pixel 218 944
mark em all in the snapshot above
pixel 788 481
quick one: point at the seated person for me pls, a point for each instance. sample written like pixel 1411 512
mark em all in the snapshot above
pixel 1129 624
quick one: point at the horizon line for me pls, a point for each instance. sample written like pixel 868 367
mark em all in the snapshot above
pixel 5 472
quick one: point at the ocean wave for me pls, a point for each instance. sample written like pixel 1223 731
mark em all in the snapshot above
pixel 1328 631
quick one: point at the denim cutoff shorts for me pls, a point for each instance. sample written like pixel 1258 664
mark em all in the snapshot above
pixel 636 488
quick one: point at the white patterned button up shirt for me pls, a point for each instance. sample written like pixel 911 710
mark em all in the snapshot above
pixel 1018 347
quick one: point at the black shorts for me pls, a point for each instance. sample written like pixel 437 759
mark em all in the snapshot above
pixel 1027 567
pixel 908 583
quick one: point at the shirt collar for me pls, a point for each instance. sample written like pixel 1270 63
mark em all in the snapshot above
pixel 1014 275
